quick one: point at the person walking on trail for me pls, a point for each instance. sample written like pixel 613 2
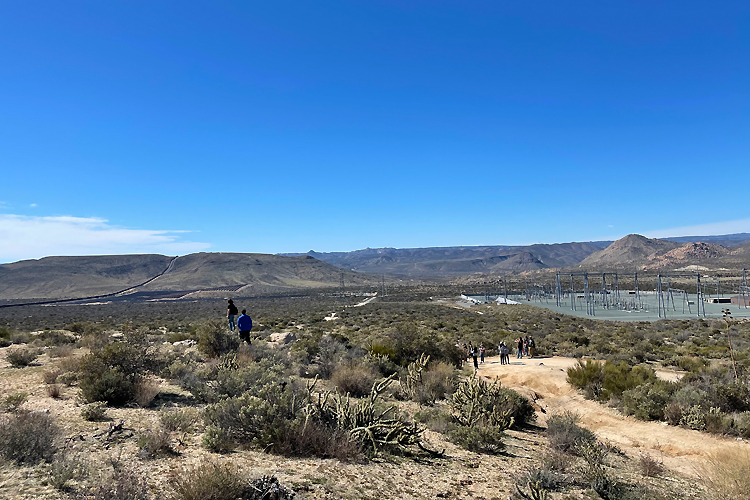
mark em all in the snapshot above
pixel 244 325
pixel 481 352
pixel 504 357
pixel 474 354
pixel 532 345
pixel 231 313
pixel 519 353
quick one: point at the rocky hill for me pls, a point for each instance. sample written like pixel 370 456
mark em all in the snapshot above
pixel 633 250
pixel 63 277
pixel 74 277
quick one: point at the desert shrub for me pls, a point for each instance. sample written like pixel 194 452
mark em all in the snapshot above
pixel 718 422
pixel 68 378
pixel 50 376
pixel 218 439
pixel 22 356
pixel 155 442
pixel 53 391
pixel 650 466
pixel 65 466
pixel 179 420
pixel 225 482
pixel 588 376
pixel 107 384
pixel 673 413
pixel 94 412
pixel 13 402
pixel 329 355
pixel 61 351
pixel 742 424
pixel 544 479
pixel 689 395
pixel 4 332
pixel 214 340
pixel 426 382
pixel 146 389
pixel 227 378
pixel 566 436
pixel 355 379
pixel 435 419
pixel 647 401
pixel 28 437
pixel 621 377
pixel 126 484
pixel 111 374
pixel 478 438
pixel 727 473
pixel 55 338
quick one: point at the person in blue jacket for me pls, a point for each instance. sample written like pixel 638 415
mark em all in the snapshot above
pixel 244 325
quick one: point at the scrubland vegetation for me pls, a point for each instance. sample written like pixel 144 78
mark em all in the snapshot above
pixel 168 383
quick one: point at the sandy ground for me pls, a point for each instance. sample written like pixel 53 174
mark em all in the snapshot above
pixel 544 380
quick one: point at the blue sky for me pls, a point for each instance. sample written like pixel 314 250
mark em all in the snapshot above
pixel 172 127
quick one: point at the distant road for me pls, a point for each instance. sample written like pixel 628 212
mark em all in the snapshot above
pixel 93 297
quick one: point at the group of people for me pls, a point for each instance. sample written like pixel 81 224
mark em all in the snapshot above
pixel 244 322
pixel 475 353
pixel 525 347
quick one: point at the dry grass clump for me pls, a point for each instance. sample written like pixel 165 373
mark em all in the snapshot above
pixel 727 474
pixel 650 466
pixel 146 389
pixel 225 482
pixel 355 379
pixel 54 391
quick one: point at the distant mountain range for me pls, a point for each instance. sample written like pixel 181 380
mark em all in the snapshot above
pixel 238 274
pixel 435 262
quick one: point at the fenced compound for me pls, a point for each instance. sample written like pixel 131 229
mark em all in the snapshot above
pixel 682 294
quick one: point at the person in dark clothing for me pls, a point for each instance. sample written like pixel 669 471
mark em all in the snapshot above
pixel 474 355
pixel 244 325
pixel 231 313
pixel 519 353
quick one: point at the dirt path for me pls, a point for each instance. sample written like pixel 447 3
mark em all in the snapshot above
pixel 544 379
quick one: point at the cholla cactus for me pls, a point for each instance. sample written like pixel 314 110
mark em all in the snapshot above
pixel 475 400
pixel 413 378
pixel 376 428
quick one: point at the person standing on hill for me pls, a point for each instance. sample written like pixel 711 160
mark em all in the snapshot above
pixel 244 325
pixel 231 313
pixel 481 352
pixel 519 353
pixel 474 354
pixel 532 345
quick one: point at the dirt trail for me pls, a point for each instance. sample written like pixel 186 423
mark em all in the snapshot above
pixel 544 379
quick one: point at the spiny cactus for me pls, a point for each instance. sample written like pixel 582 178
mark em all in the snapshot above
pixel 413 378
pixel 476 400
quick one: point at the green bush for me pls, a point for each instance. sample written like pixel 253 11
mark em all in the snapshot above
pixel 588 376
pixel 23 356
pixel 486 439
pixel 94 412
pixel 112 374
pixel 648 401
pixel 214 340
pixel 621 377
pixel 28 437
pixel 566 436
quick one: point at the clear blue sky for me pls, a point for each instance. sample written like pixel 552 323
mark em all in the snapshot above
pixel 177 126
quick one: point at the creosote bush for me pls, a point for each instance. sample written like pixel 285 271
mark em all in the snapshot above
pixel 215 340
pixel 112 373
pixel 94 412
